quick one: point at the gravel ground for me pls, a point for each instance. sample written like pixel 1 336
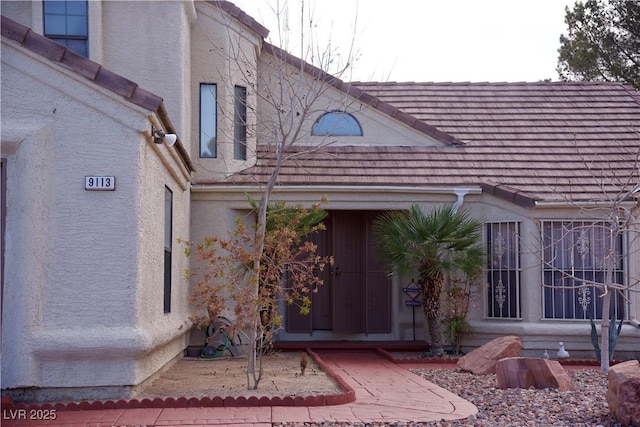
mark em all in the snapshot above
pixel 586 407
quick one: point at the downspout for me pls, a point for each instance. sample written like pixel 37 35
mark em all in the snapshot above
pixel 460 193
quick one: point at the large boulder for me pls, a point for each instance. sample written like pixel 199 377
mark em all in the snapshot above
pixel 526 372
pixel 482 361
pixel 623 394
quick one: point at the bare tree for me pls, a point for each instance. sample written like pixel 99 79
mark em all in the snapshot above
pixel 604 231
pixel 290 92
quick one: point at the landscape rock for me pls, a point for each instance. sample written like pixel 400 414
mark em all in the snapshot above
pixel 623 393
pixel 482 361
pixel 526 372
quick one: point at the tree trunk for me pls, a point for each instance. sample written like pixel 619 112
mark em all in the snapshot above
pixel 253 378
pixel 435 328
pixel 604 331
pixel 431 285
pixel 606 299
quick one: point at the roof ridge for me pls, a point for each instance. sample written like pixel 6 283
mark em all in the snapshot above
pixel 366 97
pixel 242 16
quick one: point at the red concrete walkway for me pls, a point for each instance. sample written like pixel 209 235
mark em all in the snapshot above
pixel 385 392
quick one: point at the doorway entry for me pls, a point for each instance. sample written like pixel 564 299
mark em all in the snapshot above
pixel 356 294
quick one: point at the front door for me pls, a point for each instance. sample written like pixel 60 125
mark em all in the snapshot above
pixel 356 295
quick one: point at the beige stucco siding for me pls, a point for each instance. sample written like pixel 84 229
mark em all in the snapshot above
pixel 537 333
pixel 164 334
pixel 223 53
pixel 303 100
pixel 149 43
pixel 83 269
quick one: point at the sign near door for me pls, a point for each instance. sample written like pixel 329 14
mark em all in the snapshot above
pixel 413 291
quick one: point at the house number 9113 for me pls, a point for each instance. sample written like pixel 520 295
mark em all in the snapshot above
pixel 100 183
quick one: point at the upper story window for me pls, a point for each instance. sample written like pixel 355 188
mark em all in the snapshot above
pixel 208 120
pixel 240 123
pixel 67 23
pixel 336 123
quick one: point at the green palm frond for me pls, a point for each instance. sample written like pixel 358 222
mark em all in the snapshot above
pixel 443 239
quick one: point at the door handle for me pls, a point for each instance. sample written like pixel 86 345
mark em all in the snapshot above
pixel 337 271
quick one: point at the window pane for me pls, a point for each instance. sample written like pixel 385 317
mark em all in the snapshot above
pixel 57 7
pixel 55 25
pixel 168 232
pixel 67 24
pixel 208 125
pixel 78 46
pixel 167 282
pixel 76 26
pixel 77 7
pixel 168 218
pixel 240 124
pixel 503 270
pixel 336 123
pixel 576 254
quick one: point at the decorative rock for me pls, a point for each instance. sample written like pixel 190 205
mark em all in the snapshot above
pixel 623 394
pixel 482 361
pixel 526 372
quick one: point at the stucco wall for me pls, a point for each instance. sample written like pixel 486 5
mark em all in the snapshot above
pixel 537 333
pixel 224 53
pixel 149 43
pixel 303 100
pixel 21 11
pixel 164 333
pixel 225 204
pixel 83 268
pixel 30 13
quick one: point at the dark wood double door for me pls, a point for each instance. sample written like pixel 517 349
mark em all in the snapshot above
pixel 356 295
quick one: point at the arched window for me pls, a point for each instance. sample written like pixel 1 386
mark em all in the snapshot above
pixel 336 123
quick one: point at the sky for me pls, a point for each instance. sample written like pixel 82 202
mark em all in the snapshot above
pixel 431 40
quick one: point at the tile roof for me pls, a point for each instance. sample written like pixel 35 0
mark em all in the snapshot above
pixel 90 70
pixel 525 142
pixel 241 16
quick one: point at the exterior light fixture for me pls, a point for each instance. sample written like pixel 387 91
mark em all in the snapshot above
pixel 159 137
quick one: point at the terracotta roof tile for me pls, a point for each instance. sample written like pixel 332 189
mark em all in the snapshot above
pixel 91 70
pixel 241 16
pixel 80 64
pixel 523 142
pixel 53 51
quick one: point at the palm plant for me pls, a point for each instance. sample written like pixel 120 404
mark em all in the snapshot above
pixel 443 241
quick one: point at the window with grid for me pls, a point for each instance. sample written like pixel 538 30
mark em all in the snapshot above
pixel 503 270
pixel 67 23
pixel 575 255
